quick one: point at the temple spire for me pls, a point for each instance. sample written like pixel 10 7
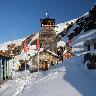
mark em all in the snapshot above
pixel 46 14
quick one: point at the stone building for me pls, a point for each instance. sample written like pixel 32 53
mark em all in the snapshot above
pixel 48 38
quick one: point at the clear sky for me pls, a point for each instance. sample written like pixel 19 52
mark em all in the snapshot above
pixel 19 18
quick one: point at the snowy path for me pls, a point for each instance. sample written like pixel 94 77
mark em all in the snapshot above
pixel 65 80
pixel 8 88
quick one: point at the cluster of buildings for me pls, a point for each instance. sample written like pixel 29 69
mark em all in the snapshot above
pixel 49 53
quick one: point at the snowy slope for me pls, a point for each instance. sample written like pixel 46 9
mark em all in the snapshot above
pixel 60 27
pixel 77 41
pixel 18 42
pixel 65 79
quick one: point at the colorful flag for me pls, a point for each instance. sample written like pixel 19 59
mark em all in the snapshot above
pixel 26 46
pixel 38 44
pixel 70 43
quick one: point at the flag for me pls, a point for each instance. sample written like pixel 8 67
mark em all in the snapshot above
pixel 70 43
pixel 38 44
pixel 26 46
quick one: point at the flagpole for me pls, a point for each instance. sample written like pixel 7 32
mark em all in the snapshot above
pixel 38 48
pixel 25 64
pixel 38 62
pixel 25 50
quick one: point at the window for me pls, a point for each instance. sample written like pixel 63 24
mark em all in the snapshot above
pixel 88 47
pixel 94 45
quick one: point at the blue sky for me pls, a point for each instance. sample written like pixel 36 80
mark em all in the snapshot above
pixel 19 18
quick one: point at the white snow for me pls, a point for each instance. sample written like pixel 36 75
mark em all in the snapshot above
pixel 85 15
pixel 69 78
pixel 65 79
pixel 61 43
pixel 60 27
pixel 35 37
pixel 3 46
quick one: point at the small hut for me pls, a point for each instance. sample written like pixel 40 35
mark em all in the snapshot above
pixel 90 56
pixel 5 72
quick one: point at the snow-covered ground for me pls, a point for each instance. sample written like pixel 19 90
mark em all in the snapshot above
pixel 65 79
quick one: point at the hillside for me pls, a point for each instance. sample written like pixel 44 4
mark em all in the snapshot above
pixel 64 79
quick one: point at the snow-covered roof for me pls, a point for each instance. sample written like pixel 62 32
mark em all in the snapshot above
pixel 61 43
pixel 52 53
pixel 32 47
pixel 42 49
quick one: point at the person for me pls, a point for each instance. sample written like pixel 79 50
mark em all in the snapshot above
pixel 13 73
